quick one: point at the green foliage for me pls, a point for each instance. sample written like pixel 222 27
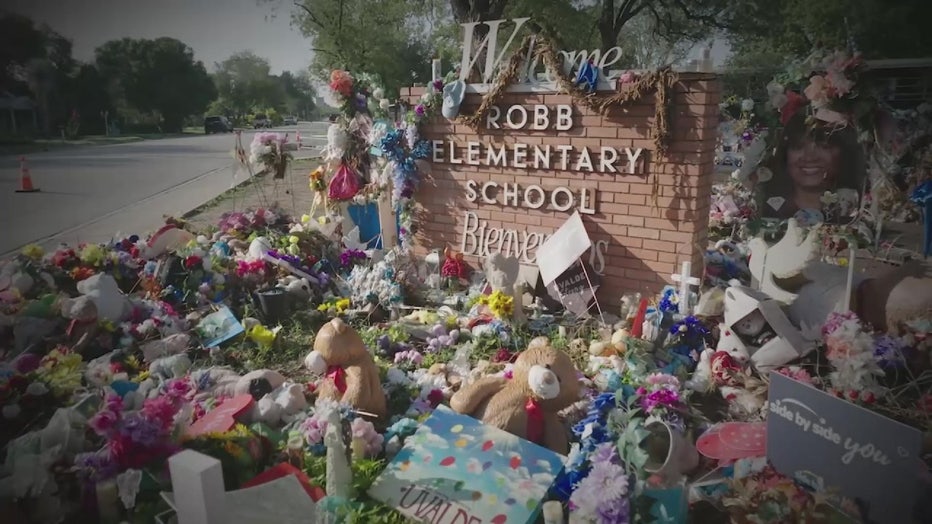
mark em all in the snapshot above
pixel 386 39
pixel 158 76
pixel 792 28
pixel 365 471
pixel 244 83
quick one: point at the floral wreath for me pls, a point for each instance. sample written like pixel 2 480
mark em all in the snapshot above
pixel 400 146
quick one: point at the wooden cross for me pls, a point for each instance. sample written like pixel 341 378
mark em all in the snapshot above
pixel 685 280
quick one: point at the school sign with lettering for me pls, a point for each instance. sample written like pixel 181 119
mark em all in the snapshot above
pixel 540 156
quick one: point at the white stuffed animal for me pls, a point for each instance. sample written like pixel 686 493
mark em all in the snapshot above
pixel 730 342
pixel 174 366
pixel 282 404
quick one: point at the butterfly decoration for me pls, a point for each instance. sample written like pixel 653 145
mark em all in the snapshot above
pixel 588 75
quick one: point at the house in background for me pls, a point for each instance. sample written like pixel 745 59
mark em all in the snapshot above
pixel 18 115
pixel 904 83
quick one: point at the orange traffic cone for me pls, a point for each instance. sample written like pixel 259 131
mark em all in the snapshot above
pixel 25 181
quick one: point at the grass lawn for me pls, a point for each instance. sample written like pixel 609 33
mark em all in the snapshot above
pixel 37 145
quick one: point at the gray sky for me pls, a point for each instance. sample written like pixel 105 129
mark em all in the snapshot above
pixel 214 29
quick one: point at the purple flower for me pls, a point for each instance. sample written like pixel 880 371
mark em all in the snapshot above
pixel 95 466
pixel 419 110
pixel 438 85
pixel 143 431
pixel 613 511
pixel 662 398
pixel 604 452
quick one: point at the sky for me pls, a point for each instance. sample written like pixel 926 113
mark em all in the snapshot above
pixel 214 29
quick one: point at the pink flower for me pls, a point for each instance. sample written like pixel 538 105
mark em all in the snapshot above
pixel 103 422
pixel 177 388
pixel 817 91
pixel 161 409
pixel 837 349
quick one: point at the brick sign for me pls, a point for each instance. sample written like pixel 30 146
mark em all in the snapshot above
pixel 539 157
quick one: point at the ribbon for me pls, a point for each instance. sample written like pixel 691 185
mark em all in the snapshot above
pixel 535 421
pixel 338 375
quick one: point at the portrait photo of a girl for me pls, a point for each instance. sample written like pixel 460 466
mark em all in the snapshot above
pixel 818 172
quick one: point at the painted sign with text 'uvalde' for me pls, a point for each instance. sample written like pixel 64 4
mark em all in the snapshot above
pixel 480 239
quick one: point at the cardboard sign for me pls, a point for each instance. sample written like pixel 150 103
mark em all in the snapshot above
pixel 825 442
pixel 218 327
pixel 455 469
pixel 563 248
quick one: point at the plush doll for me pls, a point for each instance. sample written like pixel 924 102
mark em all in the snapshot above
pixel 281 404
pixel 543 382
pixel 299 289
pixel 174 366
pixel 351 375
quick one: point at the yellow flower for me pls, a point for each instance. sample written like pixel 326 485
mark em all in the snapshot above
pixel 142 376
pixel 343 304
pixel 305 219
pixel 323 307
pixel 33 251
pixel 294 239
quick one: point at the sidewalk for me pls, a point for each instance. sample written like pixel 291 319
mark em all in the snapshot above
pixel 292 194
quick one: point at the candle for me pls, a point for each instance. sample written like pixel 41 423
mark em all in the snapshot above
pixel 553 512
pixel 359 448
pixel 850 283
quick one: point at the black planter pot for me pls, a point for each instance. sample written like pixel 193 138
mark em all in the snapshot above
pixel 274 304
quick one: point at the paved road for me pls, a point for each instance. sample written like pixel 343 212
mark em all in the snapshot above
pixel 89 194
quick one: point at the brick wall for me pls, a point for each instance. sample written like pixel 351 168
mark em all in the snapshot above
pixel 645 244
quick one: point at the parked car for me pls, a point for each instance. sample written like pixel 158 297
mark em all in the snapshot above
pixel 290 121
pixel 261 120
pixel 217 124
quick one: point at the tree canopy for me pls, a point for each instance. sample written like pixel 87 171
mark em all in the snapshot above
pixel 157 76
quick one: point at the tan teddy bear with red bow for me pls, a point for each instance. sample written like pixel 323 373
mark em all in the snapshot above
pixel 349 374
pixel 543 382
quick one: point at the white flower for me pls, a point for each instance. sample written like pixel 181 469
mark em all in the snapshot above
pixel 774 88
pixel 425 98
pixel 379 93
pixel 384 104
pixel 747 104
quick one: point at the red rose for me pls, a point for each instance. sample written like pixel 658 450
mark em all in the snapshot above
pixel 794 101
pixel 725 369
pixel 193 262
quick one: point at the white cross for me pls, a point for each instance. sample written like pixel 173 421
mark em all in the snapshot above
pixel 685 280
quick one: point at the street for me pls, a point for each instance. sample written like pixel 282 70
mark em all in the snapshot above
pixel 91 194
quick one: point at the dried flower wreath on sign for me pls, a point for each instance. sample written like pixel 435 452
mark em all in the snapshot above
pixel 634 89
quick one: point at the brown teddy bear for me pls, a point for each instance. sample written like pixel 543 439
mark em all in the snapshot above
pixel 350 373
pixel 543 382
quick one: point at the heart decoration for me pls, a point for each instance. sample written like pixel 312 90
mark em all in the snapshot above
pixel 223 418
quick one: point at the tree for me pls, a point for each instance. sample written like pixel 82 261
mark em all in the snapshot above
pixel 385 39
pixel 299 94
pixel 792 28
pixel 35 60
pixel 158 76
pixel 244 82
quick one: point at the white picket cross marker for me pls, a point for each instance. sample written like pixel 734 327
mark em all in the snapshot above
pixel 197 485
pixel 685 280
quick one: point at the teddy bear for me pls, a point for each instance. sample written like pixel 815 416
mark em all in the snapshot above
pixel 543 382
pixel 350 373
